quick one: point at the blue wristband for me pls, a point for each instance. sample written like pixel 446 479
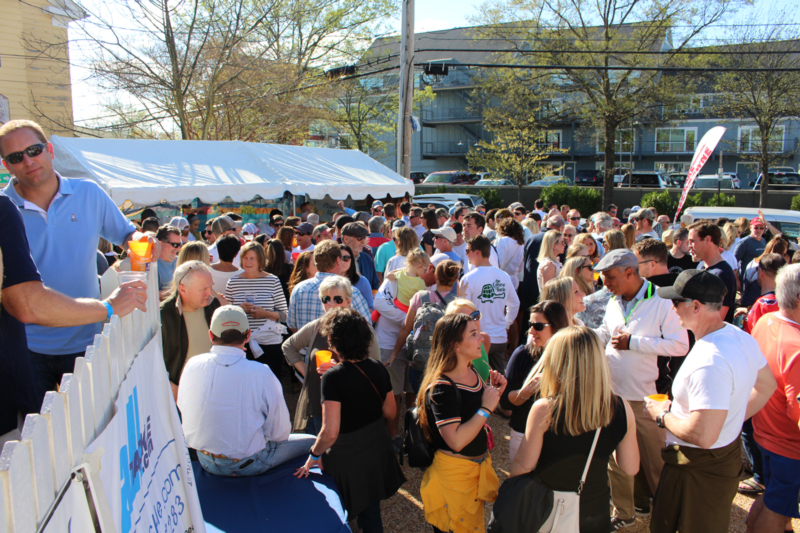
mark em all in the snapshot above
pixel 483 413
pixel 109 309
pixel 314 457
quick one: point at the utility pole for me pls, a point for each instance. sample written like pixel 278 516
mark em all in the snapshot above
pixel 406 90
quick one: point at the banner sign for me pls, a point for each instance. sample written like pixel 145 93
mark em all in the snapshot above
pixel 704 150
pixel 145 468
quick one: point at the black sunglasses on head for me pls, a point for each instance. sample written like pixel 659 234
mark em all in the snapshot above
pixel 32 151
pixel 336 299
pixel 539 326
pixel 475 315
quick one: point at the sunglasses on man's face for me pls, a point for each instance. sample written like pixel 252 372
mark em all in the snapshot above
pixel 32 151
pixel 175 244
pixel 278 225
pixel 302 234
pixel 538 326
pixel 574 218
pixel 336 299
pixel 207 232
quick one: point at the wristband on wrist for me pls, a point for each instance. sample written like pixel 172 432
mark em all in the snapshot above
pixel 483 413
pixel 490 411
pixel 314 457
pixel 109 309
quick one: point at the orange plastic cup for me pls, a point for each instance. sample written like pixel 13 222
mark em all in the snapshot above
pixel 141 255
pixel 323 356
pixel 659 397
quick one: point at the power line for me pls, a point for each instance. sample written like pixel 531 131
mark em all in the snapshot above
pixel 621 52
pixel 584 67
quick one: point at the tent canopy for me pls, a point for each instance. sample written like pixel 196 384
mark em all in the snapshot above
pixel 147 172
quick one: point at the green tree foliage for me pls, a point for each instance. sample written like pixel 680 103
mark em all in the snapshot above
pixel 764 99
pixel 796 203
pixel 664 203
pixel 722 200
pixel 599 34
pixel 585 199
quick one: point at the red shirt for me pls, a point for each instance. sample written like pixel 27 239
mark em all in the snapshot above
pixel 775 425
pixel 374 242
pixel 766 303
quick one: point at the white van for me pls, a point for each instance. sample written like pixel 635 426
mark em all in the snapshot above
pixel 786 220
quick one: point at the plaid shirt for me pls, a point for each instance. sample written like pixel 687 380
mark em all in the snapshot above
pixel 305 305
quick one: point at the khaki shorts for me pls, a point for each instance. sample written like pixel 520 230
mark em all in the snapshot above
pixel 398 371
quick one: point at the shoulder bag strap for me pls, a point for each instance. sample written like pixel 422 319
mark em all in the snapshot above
pixel 440 297
pixel 373 385
pixel 588 461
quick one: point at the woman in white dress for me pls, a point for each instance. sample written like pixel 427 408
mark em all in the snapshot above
pixel 510 248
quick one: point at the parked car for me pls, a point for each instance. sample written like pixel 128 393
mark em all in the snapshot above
pixel 418 177
pixel 452 177
pixel 781 169
pixel 787 221
pixel 712 181
pixel 471 200
pixel 551 180
pixel 779 181
pixel 646 179
pixel 435 203
pixel 589 177
pixel 678 179
pixel 494 183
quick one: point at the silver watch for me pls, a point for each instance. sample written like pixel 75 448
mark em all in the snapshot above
pixel 660 419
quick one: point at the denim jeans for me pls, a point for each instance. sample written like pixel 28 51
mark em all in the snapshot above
pixel 314 425
pixel 752 451
pixel 274 454
pixel 48 369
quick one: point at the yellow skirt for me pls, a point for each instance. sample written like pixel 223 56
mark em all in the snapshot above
pixel 453 492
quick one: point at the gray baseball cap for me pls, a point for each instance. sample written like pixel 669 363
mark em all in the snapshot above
pixel 621 257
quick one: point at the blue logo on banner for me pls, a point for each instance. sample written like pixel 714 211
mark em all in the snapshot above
pixel 134 458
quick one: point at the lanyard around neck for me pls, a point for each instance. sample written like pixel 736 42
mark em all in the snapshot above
pixel 648 294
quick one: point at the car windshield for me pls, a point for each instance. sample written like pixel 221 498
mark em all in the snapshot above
pixel 644 179
pixel 678 179
pixel 784 179
pixel 586 174
pixel 711 183
pixel 440 178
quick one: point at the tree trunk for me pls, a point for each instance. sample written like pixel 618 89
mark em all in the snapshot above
pixel 609 152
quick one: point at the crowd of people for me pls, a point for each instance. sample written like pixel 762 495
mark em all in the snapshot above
pixel 664 349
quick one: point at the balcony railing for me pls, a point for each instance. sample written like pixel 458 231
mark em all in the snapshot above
pixel 455 78
pixel 675 146
pixel 446 148
pixel 452 114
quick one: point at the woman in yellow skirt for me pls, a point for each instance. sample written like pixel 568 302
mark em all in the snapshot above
pixel 453 405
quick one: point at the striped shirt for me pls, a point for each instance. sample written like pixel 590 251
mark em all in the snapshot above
pixel 445 406
pixel 264 292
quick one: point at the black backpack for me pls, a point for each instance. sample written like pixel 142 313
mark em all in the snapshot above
pixel 419 450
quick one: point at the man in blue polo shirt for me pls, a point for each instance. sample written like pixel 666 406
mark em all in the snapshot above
pixel 64 219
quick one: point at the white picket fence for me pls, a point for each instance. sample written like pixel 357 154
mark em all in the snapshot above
pixel 35 469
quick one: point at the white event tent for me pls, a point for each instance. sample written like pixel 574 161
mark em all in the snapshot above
pixel 147 172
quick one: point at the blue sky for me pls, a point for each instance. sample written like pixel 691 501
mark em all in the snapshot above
pixel 430 15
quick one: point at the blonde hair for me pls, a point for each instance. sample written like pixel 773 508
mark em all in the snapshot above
pixel 668 237
pixel 571 270
pixel 576 381
pixel 530 224
pixel 194 251
pixel 630 234
pixel 581 238
pixel 729 235
pixel 458 303
pixel 340 283
pixel 417 257
pixel 615 239
pixel 406 240
pixel 548 242
pixel 559 290
pixel 14 125
pixel 575 250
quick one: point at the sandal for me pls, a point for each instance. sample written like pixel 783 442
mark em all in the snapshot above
pixel 750 486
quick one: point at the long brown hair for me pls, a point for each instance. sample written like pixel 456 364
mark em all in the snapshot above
pixel 286 236
pixel 300 267
pixel 449 330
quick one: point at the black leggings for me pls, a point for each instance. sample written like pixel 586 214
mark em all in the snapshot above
pixel 272 357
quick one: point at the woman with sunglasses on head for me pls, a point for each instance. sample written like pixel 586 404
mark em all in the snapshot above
pixel 358 281
pixel 453 405
pixel 577 408
pixel 335 292
pixel 260 295
pixel 354 445
pixel 546 318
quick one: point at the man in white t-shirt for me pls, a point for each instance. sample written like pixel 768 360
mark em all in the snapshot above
pixel 724 380
pixel 492 291
pixel 303 235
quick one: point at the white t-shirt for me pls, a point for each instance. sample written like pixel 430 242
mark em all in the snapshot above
pixel 492 291
pixel 420 229
pixel 395 262
pixel 493 260
pixel 719 373
pixel 298 250
pixel 221 278
pixel 461 250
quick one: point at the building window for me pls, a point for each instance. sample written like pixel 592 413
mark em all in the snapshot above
pixel 750 139
pixel 622 145
pixel 675 139
pixel 672 166
pixel 695 103
pixel 552 139
pixel 5 110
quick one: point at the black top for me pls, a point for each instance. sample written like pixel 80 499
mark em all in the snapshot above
pixel 530 286
pixel 679 265
pixel 444 409
pixel 725 272
pixel 361 405
pixel 519 366
pixel 18 390
pixel 427 238
pixel 563 458
pixel 668 366
pixel 664 280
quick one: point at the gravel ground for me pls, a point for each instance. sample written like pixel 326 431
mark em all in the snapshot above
pixel 403 512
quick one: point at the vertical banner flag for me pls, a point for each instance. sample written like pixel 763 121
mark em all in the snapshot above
pixel 145 469
pixel 704 150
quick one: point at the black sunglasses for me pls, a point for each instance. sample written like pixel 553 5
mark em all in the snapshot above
pixel 32 151
pixel 347 258
pixel 175 244
pixel 208 231
pixel 336 299
pixel 475 315
pixel 574 218
pixel 302 234
pixel 538 326
pixel 675 303
pixel 278 225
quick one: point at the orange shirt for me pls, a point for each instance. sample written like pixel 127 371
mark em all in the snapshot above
pixel 776 425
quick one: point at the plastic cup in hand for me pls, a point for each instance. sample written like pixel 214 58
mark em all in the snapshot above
pixel 659 397
pixel 323 356
pixel 141 253
pixel 250 297
pixel 596 275
pixel 125 277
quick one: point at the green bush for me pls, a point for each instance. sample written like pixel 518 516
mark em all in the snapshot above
pixel 491 198
pixel 662 201
pixel 796 203
pixel 722 200
pixel 693 200
pixel 586 200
